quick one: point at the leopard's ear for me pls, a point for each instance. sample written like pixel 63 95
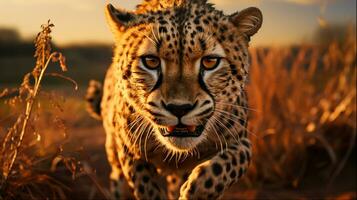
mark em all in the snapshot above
pixel 248 21
pixel 119 19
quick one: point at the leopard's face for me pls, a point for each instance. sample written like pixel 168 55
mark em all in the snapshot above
pixel 180 69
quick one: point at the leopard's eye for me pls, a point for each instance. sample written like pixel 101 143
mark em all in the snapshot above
pixel 151 62
pixel 210 62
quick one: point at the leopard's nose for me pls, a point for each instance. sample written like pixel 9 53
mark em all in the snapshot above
pixel 179 110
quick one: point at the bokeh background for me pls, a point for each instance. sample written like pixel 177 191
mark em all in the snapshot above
pixel 81 24
pixel 302 93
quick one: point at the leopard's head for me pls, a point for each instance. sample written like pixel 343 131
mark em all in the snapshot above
pixel 181 65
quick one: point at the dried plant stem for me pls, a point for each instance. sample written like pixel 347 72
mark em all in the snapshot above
pixel 28 111
pixel 64 77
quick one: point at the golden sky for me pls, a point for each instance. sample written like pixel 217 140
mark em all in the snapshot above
pixel 83 21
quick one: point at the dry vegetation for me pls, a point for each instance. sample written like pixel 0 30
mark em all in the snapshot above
pixel 303 126
pixel 29 158
pixel 304 123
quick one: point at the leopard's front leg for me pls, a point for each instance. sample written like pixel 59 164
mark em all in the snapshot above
pixel 142 177
pixel 211 178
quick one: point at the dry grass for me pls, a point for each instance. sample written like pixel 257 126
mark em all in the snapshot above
pixel 305 102
pixel 20 175
pixel 30 160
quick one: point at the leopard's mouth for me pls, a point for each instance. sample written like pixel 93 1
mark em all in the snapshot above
pixel 182 131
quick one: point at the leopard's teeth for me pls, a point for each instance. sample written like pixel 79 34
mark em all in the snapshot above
pixel 170 129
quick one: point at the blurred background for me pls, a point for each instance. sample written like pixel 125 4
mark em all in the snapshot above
pixel 302 92
pixel 83 35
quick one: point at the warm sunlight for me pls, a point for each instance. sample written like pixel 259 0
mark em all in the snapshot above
pixel 178 99
pixel 286 21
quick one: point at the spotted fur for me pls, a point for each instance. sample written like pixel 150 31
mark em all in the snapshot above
pixel 138 104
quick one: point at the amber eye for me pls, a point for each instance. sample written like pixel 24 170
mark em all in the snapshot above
pixel 151 62
pixel 210 62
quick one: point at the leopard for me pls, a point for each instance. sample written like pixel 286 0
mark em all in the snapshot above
pixel 173 103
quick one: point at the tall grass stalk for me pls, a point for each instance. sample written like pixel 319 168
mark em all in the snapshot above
pixel 28 92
